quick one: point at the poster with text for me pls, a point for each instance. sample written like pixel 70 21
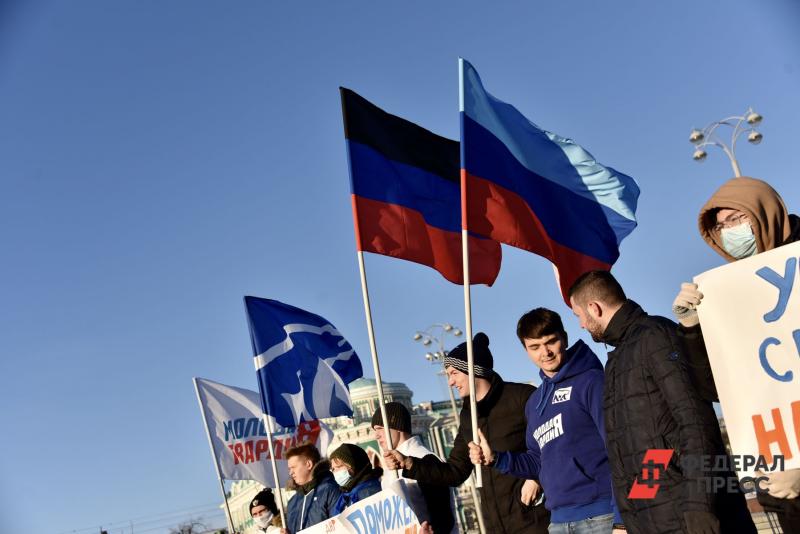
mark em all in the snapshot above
pixel 750 317
pixel 386 512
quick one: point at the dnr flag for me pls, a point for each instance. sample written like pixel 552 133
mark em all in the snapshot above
pixel 538 191
pixel 406 193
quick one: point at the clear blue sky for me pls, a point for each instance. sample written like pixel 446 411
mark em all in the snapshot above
pixel 159 160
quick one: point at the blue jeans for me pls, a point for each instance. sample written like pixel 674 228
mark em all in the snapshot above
pixel 600 524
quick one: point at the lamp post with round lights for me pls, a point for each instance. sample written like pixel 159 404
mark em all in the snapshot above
pixel 740 125
pixel 428 337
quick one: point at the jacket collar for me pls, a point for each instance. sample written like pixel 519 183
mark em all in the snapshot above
pixel 486 404
pixel 618 327
pixel 320 472
pixel 366 474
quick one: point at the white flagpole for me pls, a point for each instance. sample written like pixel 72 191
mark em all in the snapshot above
pixel 268 427
pixel 213 455
pixel 473 404
pixel 373 349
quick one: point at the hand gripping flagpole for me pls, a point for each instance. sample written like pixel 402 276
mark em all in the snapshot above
pixel 214 455
pixel 473 404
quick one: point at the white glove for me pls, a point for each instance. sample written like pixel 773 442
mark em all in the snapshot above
pixel 783 484
pixel 684 307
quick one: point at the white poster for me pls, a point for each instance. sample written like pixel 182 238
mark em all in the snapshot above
pixel 386 512
pixel 750 316
pixel 236 428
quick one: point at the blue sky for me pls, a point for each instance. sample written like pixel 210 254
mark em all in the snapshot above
pixel 159 160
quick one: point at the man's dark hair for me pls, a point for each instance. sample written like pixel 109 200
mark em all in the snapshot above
pixel 538 323
pixel 307 451
pixel 597 285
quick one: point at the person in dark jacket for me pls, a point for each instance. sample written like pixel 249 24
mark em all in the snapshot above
pixel 649 402
pixel 431 503
pixel 355 475
pixel 566 435
pixel 501 417
pixel 742 218
pixel 317 493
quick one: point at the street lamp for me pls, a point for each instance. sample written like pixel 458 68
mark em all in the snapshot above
pixel 436 333
pixel 709 136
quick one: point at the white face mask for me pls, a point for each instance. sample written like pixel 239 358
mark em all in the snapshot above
pixel 263 521
pixel 739 241
pixel 341 476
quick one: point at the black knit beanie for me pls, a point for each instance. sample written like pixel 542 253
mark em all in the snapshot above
pixel 399 418
pixel 484 362
pixel 265 498
pixel 352 455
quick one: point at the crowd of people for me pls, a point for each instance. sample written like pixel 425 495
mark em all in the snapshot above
pixel 562 458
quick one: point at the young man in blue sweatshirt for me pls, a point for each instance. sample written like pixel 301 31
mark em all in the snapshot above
pixel 565 431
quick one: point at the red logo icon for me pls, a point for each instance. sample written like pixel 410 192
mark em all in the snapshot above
pixel 654 463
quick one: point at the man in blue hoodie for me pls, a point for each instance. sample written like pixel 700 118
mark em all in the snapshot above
pixel 565 432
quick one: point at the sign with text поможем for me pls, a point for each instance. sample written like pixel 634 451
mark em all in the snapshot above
pixel 386 512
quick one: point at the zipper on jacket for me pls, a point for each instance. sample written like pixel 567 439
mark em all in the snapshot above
pixel 303 508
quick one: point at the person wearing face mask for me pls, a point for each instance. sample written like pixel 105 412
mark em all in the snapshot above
pixel 264 512
pixel 742 218
pixel 355 475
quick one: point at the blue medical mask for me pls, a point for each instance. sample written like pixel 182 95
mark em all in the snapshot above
pixel 739 241
pixel 342 476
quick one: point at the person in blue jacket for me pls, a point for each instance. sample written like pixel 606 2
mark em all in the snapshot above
pixel 355 475
pixel 565 431
pixel 316 492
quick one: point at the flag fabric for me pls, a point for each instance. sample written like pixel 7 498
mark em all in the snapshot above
pixel 304 364
pixel 239 439
pixel 538 191
pixel 406 193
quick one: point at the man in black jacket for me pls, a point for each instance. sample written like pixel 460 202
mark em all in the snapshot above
pixel 649 402
pixel 754 211
pixel 501 417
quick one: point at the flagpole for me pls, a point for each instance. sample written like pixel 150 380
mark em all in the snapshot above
pixel 268 428
pixel 213 455
pixel 473 403
pixel 376 366
pixel 371 331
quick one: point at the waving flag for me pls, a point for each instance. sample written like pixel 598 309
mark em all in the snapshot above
pixel 406 194
pixel 238 437
pixel 538 191
pixel 304 364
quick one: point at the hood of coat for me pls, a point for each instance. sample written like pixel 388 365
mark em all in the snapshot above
pixel 367 473
pixel 763 205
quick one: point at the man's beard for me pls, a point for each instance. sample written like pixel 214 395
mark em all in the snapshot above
pixel 595 330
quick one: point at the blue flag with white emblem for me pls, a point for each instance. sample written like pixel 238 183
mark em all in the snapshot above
pixel 303 363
